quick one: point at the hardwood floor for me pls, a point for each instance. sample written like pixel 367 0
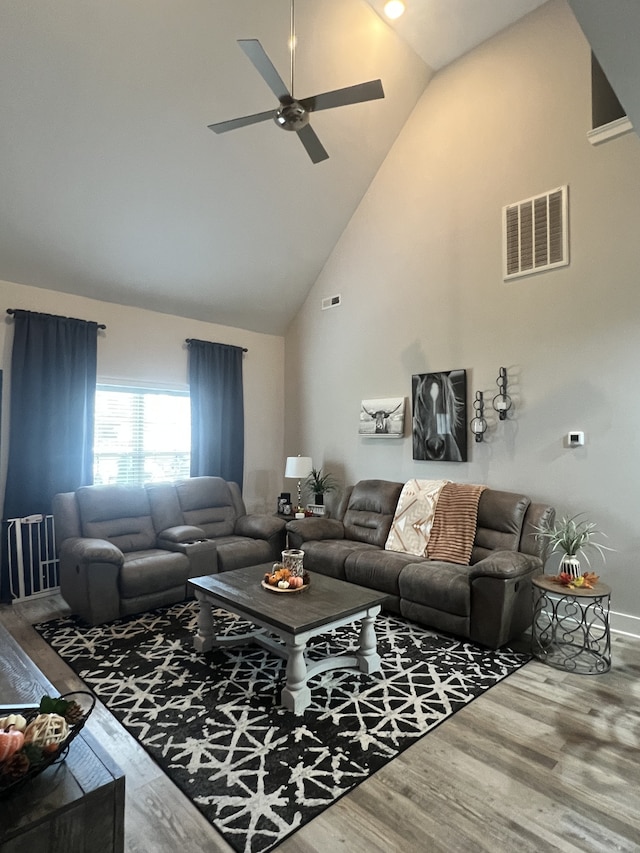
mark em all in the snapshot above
pixel 544 761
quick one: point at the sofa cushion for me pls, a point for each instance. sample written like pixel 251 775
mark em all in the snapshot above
pixel 441 586
pixel 151 600
pixel 328 556
pixel 164 505
pixel 439 620
pixel 117 513
pixel 236 552
pixel 207 503
pixel 376 569
pixel 500 519
pixel 152 571
pixel 369 514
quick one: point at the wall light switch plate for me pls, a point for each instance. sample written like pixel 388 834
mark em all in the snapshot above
pixel 575 438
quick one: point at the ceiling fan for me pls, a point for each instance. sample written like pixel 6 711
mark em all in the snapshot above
pixel 292 113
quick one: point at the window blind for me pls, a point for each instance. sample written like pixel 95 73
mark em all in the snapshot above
pixel 141 435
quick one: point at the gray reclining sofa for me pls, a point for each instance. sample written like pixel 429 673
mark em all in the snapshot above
pixel 127 549
pixel 489 601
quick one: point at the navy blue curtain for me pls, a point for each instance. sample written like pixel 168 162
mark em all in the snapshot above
pixel 217 410
pixel 53 386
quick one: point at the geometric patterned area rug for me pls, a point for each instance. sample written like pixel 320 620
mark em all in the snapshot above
pixel 214 724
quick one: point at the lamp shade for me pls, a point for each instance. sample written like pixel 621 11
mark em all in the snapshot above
pixel 298 467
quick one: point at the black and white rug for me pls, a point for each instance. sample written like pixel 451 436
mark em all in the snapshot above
pixel 214 724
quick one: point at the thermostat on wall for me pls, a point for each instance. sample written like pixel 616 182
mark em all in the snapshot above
pixel 575 439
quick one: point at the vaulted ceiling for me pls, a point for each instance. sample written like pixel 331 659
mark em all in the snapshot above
pixel 112 186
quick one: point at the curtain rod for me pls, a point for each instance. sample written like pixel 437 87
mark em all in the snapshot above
pixel 13 311
pixel 195 340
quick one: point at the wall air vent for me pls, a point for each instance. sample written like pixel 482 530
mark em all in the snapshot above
pixel 331 302
pixel 535 234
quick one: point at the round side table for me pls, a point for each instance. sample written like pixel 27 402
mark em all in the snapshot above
pixel 570 627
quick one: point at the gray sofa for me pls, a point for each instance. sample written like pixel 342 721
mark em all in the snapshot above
pixel 488 601
pixel 127 549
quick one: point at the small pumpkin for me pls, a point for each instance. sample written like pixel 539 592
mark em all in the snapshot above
pixel 11 741
pixel 15 720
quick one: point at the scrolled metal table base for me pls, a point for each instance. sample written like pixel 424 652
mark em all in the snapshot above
pixel 571 628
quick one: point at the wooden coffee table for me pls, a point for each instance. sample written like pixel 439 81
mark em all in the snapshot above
pixel 294 618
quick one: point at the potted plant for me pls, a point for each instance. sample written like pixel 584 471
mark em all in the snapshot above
pixel 320 484
pixel 572 536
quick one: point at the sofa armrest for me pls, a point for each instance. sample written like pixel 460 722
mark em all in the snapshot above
pixel 259 526
pixel 179 535
pixel 89 573
pixel 506 564
pixel 86 551
pixel 306 529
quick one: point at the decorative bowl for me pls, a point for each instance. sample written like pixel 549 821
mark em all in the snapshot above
pixel 276 588
pixel 80 704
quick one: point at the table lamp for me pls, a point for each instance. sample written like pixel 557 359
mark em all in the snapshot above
pixel 298 467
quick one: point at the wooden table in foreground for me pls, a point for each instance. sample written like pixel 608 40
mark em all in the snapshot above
pixel 295 618
pixel 75 806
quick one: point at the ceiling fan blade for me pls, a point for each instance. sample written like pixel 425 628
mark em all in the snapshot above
pixel 314 147
pixel 341 97
pixel 265 67
pixel 224 126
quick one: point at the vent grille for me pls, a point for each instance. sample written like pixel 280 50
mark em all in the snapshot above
pixel 535 234
pixel 331 302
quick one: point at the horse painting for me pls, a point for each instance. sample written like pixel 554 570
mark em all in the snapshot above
pixel 440 416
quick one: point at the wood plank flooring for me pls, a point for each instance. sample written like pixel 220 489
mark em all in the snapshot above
pixel 545 761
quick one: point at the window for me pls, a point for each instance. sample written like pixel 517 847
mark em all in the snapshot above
pixel 605 106
pixel 608 116
pixel 141 435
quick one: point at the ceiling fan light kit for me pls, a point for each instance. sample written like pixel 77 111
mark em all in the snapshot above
pixel 293 114
pixel 394 9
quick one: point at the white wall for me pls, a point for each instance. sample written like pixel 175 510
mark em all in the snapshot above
pixel 149 348
pixel 419 271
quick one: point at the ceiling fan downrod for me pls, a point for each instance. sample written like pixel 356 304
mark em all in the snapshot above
pixel 293 47
pixel 291 114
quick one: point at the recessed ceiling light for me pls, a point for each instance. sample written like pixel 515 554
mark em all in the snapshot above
pixel 393 9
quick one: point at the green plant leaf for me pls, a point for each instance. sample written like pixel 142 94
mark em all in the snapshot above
pixel 320 483
pixel 49 705
pixel 572 536
pixel 34 754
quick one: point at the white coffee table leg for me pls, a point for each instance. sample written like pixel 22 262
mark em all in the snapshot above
pixel 296 695
pixel 368 657
pixel 203 640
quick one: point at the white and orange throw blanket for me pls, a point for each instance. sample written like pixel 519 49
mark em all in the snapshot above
pixel 436 519
pixel 414 515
